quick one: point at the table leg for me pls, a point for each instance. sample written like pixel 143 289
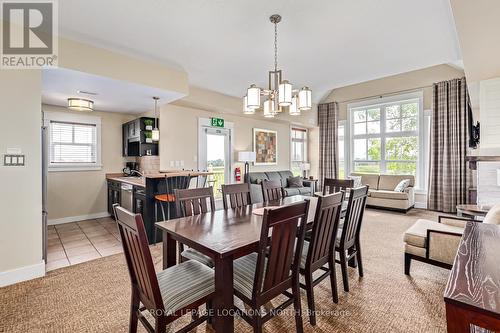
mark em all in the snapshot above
pixel 169 251
pixel 223 302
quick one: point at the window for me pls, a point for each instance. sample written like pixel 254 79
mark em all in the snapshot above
pixel 385 136
pixel 341 146
pixel 73 142
pixel 298 149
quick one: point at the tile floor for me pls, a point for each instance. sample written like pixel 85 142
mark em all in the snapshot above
pixel 76 242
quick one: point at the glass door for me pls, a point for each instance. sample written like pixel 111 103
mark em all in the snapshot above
pixel 215 156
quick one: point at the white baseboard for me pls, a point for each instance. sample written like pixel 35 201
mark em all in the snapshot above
pixel 421 205
pixel 22 274
pixel 77 218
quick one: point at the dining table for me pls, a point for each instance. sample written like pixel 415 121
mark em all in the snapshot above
pixel 223 235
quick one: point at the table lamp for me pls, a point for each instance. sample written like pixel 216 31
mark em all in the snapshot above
pixel 305 167
pixel 247 157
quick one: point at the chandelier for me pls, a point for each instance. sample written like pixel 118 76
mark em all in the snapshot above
pixel 280 96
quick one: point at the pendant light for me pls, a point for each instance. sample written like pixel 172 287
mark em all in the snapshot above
pixel 155 133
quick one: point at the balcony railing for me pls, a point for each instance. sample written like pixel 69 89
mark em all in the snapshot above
pixel 216 179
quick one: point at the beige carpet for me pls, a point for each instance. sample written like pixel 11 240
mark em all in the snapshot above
pixel 94 296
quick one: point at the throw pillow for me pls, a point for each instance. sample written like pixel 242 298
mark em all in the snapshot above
pixel 295 181
pixel 493 216
pixel 402 186
pixel 357 181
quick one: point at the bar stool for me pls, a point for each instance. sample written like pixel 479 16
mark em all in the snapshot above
pixel 168 198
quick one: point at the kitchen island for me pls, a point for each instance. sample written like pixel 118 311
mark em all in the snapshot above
pixel 137 194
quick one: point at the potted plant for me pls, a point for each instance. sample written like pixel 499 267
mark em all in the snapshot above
pixel 149 124
pixel 149 137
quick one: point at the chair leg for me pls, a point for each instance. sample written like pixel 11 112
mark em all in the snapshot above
pixel 134 308
pixel 333 279
pixel 310 298
pixel 343 266
pixel 160 325
pixel 407 263
pixel 359 259
pixel 297 306
pixel 257 322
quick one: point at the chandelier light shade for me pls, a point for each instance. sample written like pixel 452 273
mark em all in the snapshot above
pixel 80 104
pixel 285 93
pixel 279 93
pixel 246 109
pixel 305 99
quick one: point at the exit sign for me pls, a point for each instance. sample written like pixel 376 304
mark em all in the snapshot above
pixel 217 122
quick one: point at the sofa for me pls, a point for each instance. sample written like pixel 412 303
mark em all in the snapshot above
pixel 381 192
pixel 256 179
pixel 436 243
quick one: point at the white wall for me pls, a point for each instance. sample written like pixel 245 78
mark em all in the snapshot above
pixel 21 190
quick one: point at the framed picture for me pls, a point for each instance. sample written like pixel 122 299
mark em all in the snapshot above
pixel 265 146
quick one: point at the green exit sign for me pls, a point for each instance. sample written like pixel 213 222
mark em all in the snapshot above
pixel 217 122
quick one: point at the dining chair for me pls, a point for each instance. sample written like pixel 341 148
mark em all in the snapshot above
pixel 348 237
pixel 268 273
pixel 166 295
pixel 167 198
pixel 239 195
pixel 331 185
pixel 320 250
pixel 272 190
pixel 191 202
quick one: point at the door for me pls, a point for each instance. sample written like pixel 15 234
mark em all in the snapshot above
pixel 215 156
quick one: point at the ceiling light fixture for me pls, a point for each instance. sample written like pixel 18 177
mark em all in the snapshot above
pixel 80 104
pixel 155 133
pixel 280 94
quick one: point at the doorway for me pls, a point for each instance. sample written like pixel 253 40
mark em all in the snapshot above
pixel 215 154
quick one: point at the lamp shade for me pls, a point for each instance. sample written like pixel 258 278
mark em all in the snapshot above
pixel 80 104
pixel 246 109
pixel 293 109
pixel 269 109
pixel 306 166
pixel 253 97
pixel 155 134
pixel 246 156
pixel 305 99
pixel 285 93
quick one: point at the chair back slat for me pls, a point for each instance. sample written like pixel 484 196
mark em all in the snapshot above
pixel 354 216
pixel 194 201
pixel 325 227
pixel 331 185
pixel 272 190
pixel 282 237
pixel 238 194
pixel 139 261
pixel 176 183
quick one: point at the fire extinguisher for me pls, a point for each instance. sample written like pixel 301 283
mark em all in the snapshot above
pixel 237 174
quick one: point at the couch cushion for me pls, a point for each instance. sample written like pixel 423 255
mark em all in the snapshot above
pixel 368 179
pixel 493 215
pixel 389 182
pixel 285 174
pixel 289 191
pixel 257 177
pixel 294 182
pixel 305 190
pixel 275 175
pixel 389 195
pixel 416 235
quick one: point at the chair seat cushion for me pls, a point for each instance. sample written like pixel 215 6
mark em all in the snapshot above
pixel 192 254
pixel 416 235
pixel 165 197
pixel 244 274
pixel 184 284
pixel 383 194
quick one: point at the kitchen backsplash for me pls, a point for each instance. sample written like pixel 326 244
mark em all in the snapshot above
pixel 149 164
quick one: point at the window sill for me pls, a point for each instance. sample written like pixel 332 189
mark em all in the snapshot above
pixel 68 168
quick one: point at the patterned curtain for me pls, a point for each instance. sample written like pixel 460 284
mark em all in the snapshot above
pixel 328 141
pixel 449 176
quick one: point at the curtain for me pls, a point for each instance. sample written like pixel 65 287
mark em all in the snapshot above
pixel 328 141
pixel 449 176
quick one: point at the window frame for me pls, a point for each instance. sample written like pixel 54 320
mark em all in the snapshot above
pixel 49 117
pixel 344 124
pixel 382 103
pixel 305 145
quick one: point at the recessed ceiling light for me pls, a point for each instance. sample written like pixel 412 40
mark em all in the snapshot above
pixel 80 104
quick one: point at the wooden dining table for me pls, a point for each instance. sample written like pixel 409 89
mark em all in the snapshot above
pixel 223 235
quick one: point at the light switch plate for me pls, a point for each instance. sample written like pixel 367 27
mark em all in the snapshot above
pixel 13 160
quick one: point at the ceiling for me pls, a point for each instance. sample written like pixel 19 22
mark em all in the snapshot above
pixel 111 95
pixel 225 45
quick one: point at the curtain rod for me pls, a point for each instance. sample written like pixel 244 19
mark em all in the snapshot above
pixel 384 95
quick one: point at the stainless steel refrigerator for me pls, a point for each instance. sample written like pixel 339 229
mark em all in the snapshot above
pixel 45 163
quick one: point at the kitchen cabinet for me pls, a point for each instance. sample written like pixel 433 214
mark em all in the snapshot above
pixel 139 200
pixel 114 195
pixel 134 138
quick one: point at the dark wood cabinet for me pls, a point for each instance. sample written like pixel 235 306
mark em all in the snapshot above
pixel 114 195
pixel 139 200
pixel 134 138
